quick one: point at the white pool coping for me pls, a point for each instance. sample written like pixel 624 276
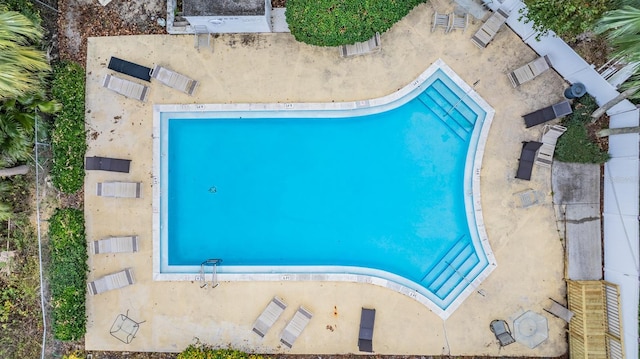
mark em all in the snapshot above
pixel 336 273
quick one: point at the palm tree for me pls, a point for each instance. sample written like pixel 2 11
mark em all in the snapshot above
pixel 21 64
pixel 622 30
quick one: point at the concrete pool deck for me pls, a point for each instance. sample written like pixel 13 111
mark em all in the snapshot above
pixel 267 68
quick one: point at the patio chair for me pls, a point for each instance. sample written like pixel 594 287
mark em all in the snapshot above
pixel 130 68
pixel 501 330
pixel 527 157
pixel 550 135
pixel 119 189
pixel 529 71
pixel 269 316
pixel 546 114
pixel 361 48
pixel 459 21
pixel 123 244
pixel 558 310
pixel 111 281
pixel 440 20
pixel 365 336
pixel 174 79
pixel 295 327
pixel 106 164
pixel 490 28
pixel 124 328
pixel 126 88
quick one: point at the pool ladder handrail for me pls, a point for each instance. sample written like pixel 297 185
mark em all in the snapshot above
pixel 214 273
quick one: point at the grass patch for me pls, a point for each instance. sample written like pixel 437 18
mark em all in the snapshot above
pixel 340 22
pixel 68 273
pixel 203 351
pixel 576 145
pixel 68 140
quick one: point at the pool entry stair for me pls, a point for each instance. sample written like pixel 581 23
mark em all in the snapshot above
pixel 455 267
pixel 449 108
pixel 213 263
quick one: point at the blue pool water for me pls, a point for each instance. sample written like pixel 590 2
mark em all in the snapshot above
pixel 383 191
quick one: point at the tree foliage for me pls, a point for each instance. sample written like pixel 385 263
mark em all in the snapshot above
pixel 340 22
pixel 622 30
pixel 567 18
pixel 21 64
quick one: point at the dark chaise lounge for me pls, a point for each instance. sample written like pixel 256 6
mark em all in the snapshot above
pixel 547 114
pixel 365 337
pixel 130 68
pixel 107 164
pixel 527 157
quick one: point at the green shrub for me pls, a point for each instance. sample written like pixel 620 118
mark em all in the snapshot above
pixel 68 140
pixel 567 18
pixel 339 22
pixel 68 273
pixel 575 145
pixel 202 351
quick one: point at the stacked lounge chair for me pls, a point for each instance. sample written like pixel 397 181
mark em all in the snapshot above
pixel 269 316
pixel 440 20
pixel 458 21
pixel 126 88
pixel 295 327
pixel 111 281
pixel 361 48
pixel 550 135
pixel 107 164
pixel 527 157
pixel 549 113
pixel 529 71
pixel 174 79
pixel 119 189
pixel 489 29
pixel 365 335
pixel 123 244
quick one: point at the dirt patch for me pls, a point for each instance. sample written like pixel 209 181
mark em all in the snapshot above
pixel 593 48
pixel 278 3
pixel 81 19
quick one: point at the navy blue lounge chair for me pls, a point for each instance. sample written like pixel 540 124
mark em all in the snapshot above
pixel 130 68
pixel 527 157
pixel 365 336
pixel 107 164
pixel 547 114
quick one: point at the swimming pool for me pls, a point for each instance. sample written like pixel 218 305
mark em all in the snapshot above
pixel 383 191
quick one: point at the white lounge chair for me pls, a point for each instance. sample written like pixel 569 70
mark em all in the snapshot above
pixel 361 48
pixel 489 29
pixel 111 281
pixel 126 88
pixel 529 71
pixel 119 189
pixel 126 244
pixel 174 79
pixel 295 327
pixel 550 135
pixel 559 311
pixel 269 316
pixel 440 20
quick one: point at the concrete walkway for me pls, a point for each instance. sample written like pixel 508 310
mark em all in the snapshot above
pixel 275 68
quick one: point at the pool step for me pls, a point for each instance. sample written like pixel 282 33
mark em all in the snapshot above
pixel 453 120
pixel 452 269
pixel 454 100
pixel 452 105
